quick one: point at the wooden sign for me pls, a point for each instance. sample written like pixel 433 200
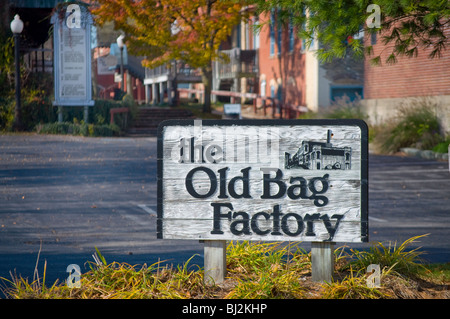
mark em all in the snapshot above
pixel 277 180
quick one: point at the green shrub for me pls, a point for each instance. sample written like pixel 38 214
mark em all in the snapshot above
pixel 37 108
pixel 351 287
pixel 442 147
pixel 416 125
pixel 343 108
pixel 128 101
pixel 82 129
pixel 54 128
pixel 7 105
pixel 105 130
pixel 392 257
pixel 266 270
pixel 99 116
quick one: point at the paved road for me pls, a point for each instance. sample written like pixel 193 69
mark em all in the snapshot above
pixel 73 194
pixel 408 197
pixel 69 195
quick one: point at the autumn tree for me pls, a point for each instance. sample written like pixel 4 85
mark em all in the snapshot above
pixel 167 30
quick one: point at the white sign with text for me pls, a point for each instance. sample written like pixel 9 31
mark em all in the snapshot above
pixel 72 43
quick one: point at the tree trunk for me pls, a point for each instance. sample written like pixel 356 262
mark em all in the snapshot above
pixel 207 83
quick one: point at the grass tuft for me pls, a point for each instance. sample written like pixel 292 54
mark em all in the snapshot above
pixel 255 271
pixel 352 287
pixel 390 256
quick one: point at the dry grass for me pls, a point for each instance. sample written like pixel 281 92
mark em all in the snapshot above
pixel 255 271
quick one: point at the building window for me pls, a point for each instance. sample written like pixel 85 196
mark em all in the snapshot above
pixel 373 39
pixel 280 92
pixel 351 92
pixel 263 88
pixel 272 91
pixel 304 47
pixel 272 42
pixel 272 33
pixel 275 27
pixel 246 37
pixel 238 36
pixel 291 37
pixel 279 37
pixel 255 35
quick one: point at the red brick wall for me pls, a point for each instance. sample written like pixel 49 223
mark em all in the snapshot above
pixel 289 66
pixel 409 77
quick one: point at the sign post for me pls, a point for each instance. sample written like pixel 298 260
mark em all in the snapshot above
pixel 215 261
pixel 72 58
pixel 263 180
pixel 322 261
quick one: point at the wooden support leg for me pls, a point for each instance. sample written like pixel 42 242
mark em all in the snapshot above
pixel 322 261
pixel 60 114
pixel 215 261
pixel 86 114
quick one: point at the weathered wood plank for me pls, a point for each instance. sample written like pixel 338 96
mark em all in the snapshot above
pixel 263 182
pixel 182 210
pixel 200 229
pixel 175 171
pixel 250 144
pixel 256 191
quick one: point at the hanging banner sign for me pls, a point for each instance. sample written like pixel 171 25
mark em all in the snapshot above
pixel 72 56
pixel 278 180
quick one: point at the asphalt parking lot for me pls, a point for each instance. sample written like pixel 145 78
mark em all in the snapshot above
pixel 63 196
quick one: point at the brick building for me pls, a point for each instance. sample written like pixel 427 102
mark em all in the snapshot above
pixel 273 63
pixel 282 63
pixel 106 61
pixel 387 86
pixel 291 72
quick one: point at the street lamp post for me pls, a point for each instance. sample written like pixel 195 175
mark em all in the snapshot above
pixel 17 28
pixel 120 44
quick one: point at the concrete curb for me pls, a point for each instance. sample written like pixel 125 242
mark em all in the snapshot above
pixel 427 154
